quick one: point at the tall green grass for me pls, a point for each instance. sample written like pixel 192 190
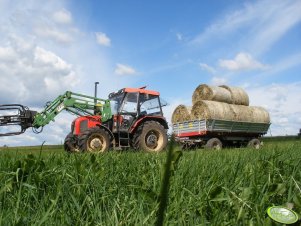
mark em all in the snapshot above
pixel 227 187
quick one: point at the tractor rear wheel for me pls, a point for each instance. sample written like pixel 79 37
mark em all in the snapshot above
pixel 70 143
pixel 94 140
pixel 214 143
pixel 150 136
pixel 254 143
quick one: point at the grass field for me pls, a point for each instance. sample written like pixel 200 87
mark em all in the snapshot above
pixel 227 187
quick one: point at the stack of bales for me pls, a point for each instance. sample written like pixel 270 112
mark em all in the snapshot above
pixel 220 102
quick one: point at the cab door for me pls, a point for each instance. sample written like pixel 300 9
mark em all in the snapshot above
pixel 128 111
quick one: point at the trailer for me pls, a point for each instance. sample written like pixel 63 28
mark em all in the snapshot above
pixel 216 134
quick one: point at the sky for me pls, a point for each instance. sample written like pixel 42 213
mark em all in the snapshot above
pixel 48 47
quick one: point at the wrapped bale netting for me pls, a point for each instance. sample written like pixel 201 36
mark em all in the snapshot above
pixel 217 110
pixel 238 95
pixel 214 93
pixel 181 114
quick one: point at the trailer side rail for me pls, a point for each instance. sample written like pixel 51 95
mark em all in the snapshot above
pixel 201 127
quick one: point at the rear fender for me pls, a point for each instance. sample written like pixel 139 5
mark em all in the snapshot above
pixel 140 121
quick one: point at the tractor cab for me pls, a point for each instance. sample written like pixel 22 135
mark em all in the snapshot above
pixel 135 102
pixel 129 104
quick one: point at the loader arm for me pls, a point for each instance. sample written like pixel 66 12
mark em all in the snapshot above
pixel 75 103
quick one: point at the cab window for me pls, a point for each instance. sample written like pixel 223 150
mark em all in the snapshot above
pixel 130 103
pixel 150 105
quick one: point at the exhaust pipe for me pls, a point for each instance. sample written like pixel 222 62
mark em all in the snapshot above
pixel 95 96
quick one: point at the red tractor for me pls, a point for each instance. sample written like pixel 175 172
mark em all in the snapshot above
pixel 136 122
pixel 130 118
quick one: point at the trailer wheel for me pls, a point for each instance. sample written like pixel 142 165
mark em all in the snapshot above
pixel 254 143
pixel 70 143
pixel 94 140
pixel 150 136
pixel 214 143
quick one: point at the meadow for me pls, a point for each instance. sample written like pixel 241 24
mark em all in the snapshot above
pixel 227 187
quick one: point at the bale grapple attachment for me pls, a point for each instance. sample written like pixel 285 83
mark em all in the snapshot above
pixel 15 119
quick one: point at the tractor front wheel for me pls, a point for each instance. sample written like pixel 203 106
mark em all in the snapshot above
pixel 151 137
pixel 94 140
pixel 70 144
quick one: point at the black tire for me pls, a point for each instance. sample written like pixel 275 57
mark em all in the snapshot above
pixel 214 143
pixel 94 140
pixel 254 143
pixel 189 146
pixel 150 136
pixel 70 143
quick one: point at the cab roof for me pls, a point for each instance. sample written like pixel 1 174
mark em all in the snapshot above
pixel 141 90
pixel 135 90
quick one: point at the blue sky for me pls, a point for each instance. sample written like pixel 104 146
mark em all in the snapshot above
pixel 170 46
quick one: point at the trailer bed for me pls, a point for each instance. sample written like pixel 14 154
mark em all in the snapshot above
pixel 205 126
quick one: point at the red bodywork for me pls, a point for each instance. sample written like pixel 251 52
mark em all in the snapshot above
pixel 191 134
pixel 85 122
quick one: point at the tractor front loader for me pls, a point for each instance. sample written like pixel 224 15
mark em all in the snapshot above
pixel 130 118
pixel 17 118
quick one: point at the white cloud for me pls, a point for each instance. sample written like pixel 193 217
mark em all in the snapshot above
pixel 62 16
pixel 122 69
pixel 242 62
pixel 7 54
pixel 284 16
pixel 207 68
pixel 53 33
pixel 283 101
pixel 44 58
pixel 35 73
pixel 218 81
pixel 37 19
pixel 103 39
pixel 283 64
pixel 281 121
pixel 262 22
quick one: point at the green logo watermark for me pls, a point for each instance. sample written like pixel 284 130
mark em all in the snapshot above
pixel 282 215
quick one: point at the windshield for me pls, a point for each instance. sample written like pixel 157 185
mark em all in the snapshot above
pixel 129 104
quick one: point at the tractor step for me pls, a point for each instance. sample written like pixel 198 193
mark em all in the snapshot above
pixel 124 140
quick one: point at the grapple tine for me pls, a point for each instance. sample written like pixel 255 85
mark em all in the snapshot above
pixel 16 117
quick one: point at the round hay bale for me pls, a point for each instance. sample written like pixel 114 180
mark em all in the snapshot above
pixel 214 93
pixel 205 109
pixel 238 95
pixel 250 114
pixel 260 115
pixel 216 110
pixel 181 114
pixel 242 113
